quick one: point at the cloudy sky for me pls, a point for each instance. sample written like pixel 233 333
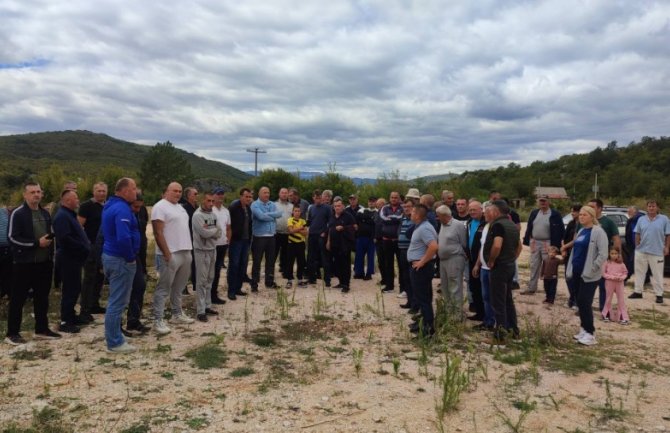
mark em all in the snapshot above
pixel 421 87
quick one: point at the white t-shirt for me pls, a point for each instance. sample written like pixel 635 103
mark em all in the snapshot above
pixel 223 219
pixel 485 232
pixel 176 226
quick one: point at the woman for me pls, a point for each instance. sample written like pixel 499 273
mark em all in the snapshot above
pixel 585 268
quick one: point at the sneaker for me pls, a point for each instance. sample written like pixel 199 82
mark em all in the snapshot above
pixel 587 340
pixel 161 328
pixel 124 348
pixel 181 319
pixel 624 322
pixel 659 299
pixel 47 335
pixel 202 317
pixel 70 328
pixel 15 340
pixel 402 295
pixel 605 319
pixel 494 343
pixel 289 285
pixel 635 295
pixel 579 335
pixel 210 312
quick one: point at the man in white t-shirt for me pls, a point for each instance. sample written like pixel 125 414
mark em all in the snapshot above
pixel 173 252
pixel 223 218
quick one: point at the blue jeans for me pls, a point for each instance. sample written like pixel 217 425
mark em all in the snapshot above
pixel 238 254
pixel 365 246
pixel 120 275
pixel 489 315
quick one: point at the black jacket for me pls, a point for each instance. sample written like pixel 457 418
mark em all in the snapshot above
pixel 21 234
pixel 473 253
pixel 556 227
pixel 71 241
pixel 237 221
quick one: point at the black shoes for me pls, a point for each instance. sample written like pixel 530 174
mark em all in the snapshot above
pixel 358 277
pixel 367 278
pixel 339 286
pixel 254 287
pixel 272 286
pixel 345 289
pixel 70 328
pixel 84 319
pixel 47 335
pixel 202 318
pixel 210 312
pixel 232 297
pixel 97 310
pixel 387 289
pixel 635 295
pixel 476 317
pixel 218 301
pixel 138 327
pixel 406 306
pixel 659 299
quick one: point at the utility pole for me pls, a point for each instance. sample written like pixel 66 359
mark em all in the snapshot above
pixel 256 151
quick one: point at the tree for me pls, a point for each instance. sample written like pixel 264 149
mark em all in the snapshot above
pixel 275 179
pixel 162 165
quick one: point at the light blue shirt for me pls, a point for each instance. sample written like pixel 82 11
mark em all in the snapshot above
pixel 652 234
pixel 422 236
pixel 4 224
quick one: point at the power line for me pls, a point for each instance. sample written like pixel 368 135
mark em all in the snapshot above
pixel 256 151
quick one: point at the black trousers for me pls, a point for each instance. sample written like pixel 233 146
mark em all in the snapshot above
pixel 218 264
pixel 313 256
pixel 342 263
pixel 281 251
pixel 390 248
pixel 379 250
pixel 296 252
pixel 26 276
pixel 91 287
pixel 137 295
pixel 5 271
pixel 70 271
pixel 422 283
pixel 475 286
pixel 585 294
pixel 502 277
pixel 263 246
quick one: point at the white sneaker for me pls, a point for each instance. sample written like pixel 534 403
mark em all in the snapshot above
pixel 124 348
pixel 588 340
pixel 402 295
pixel 161 328
pixel 580 335
pixel 182 319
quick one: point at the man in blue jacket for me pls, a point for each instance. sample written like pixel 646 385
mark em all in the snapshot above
pixel 72 250
pixel 264 227
pixel 119 255
pixel 545 229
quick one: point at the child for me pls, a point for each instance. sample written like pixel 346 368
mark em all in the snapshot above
pixel 614 273
pixel 297 231
pixel 550 274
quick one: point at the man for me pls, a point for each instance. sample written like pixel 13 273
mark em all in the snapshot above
pixel 404 237
pixel 501 250
pixel 493 196
pixel 90 217
pixel 72 250
pixel 318 217
pixel 629 248
pixel 190 204
pixel 353 207
pixel 475 228
pixel 379 250
pixel 452 243
pixel 265 215
pixel 173 250
pixel 133 322
pixel 5 254
pixel 545 229
pixel 223 219
pixel 365 245
pixel 281 237
pixel 341 240
pixel 69 185
pixel 390 215
pixel 428 200
pixel 448 199
pixel 240 241
pixel 206 231
pixel 652 244
pixel 294 198
pixel 119 259
pixel 613 239
pixel 414 195
pixel 421 252
pixel 30 237
pixel 327 197
pixel 462 213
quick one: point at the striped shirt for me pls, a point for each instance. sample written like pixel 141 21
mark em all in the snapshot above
pixel 296 238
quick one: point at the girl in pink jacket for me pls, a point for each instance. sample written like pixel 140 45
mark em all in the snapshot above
pixel 615 273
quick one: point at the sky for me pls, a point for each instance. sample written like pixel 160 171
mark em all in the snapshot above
pixel 395 86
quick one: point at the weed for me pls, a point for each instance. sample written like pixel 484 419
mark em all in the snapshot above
pixel 524 408
pixel 167 375
pixel 452 382
pixel 396 366
pixel 242 371
pixel 611 410
pixel 320 303
pixel 140 427
pixel 357 356
pixel 283 303
pixel 209 355
pixel 32 355
pixel 197 423
pixel 263 338
pixel 163 348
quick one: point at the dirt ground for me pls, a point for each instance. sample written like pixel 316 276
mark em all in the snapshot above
pixel 317 360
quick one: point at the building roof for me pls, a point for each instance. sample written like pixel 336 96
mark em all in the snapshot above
pixel 554 192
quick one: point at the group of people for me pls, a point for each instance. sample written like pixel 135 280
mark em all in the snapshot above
pixel 472 247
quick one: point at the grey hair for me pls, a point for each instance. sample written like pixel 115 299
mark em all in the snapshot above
pixel 443 210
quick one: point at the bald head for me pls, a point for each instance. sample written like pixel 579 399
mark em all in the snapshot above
pixel 173 192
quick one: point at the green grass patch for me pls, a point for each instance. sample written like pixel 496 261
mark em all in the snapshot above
pixel 32 355
pixel 209 355
pixel 575 361
pixel 242 372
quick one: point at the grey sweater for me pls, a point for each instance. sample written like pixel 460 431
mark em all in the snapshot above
pixel 595 256
pixel 206 230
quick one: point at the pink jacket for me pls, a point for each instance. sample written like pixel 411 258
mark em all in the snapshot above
pixel 614 271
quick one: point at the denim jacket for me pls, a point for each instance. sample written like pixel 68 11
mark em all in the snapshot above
pixel 264 217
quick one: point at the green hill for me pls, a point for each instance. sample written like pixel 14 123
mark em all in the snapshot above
pixel 85 154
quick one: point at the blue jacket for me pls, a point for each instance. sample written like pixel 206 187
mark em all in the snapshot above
pixel 120 230
pixel 556 228
pixel 264 217
pixel 71 240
